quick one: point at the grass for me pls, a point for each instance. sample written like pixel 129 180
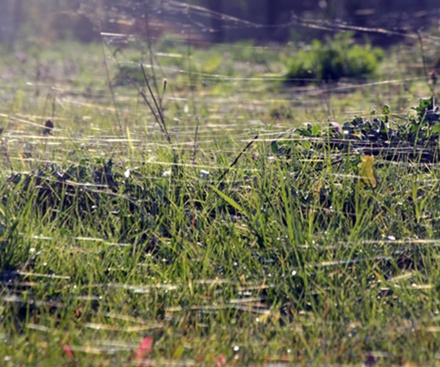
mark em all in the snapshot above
pixel 110 234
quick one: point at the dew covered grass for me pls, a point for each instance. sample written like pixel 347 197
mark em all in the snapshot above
pixel 110 234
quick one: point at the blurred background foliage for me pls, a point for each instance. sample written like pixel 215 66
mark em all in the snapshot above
pixel 209 20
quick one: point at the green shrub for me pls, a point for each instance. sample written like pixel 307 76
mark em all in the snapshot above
pixel 337 58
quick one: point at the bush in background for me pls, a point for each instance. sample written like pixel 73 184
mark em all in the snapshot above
pixel 338 57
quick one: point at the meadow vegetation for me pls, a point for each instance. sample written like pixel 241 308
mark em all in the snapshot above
pixel 211 220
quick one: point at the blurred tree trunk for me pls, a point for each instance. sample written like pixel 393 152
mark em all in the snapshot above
pixel 216 6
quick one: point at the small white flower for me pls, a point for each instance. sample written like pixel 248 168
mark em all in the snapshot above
pixel 204 173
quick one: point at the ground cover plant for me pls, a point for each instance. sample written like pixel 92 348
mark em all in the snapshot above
pixel 199 221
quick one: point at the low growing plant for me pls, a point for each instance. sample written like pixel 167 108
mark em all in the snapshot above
pixel 336 58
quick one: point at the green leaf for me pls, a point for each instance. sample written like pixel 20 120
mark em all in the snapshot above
pixel 306 144
pixel 304 132
pixel 316 130
pixel 274 147
pixel 435 129
pixel 386 109
pixel 230 201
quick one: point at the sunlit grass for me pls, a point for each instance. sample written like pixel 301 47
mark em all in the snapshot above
pixel 109 233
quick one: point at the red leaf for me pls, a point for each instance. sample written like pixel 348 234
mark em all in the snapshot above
pixel 68 351
pixel 221 361
pixel 143 350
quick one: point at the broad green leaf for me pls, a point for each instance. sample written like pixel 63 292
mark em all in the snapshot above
pixel 306 144
pixel 316 130
pixel 435 129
